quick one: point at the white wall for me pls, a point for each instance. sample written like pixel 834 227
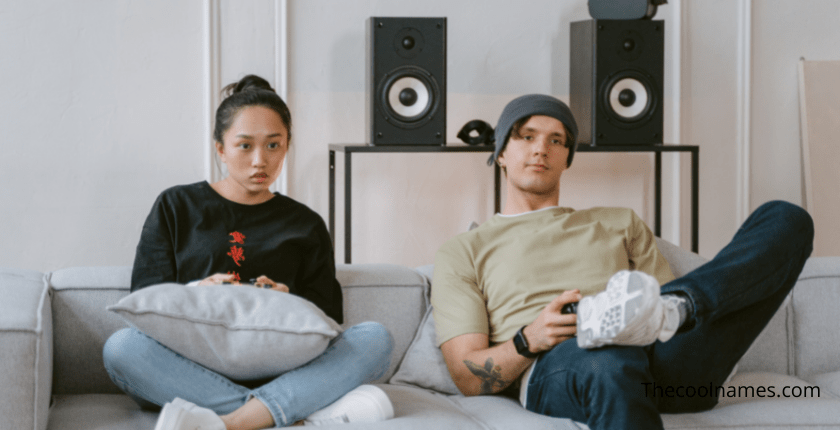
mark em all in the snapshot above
pixel 103 108
pixel 406 205
pixel 784 32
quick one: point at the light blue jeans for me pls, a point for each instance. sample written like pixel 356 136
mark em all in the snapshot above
pixel 153 374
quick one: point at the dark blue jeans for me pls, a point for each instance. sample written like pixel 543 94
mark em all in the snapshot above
pixel 734 296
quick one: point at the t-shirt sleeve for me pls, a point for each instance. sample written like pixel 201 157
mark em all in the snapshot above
pixel 644 255
pixel 154 261
pixel 458 304
pixel 317 279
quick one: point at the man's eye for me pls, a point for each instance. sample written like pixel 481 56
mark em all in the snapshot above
pixel 273 145
pixel 245 145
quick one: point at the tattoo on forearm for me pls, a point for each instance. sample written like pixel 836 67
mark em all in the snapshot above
pixel 490 375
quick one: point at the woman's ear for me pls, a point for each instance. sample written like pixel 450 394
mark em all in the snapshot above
pixel 220 149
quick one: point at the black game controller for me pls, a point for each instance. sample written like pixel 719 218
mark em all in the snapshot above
pixel 252 283
pixel 569 308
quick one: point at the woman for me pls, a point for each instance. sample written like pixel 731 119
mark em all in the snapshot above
pixel 232 231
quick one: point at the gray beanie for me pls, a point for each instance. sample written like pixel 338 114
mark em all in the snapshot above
pixel 533 104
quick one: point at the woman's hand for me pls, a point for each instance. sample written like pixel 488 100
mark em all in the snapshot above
pixel 218 278
pixel 276 286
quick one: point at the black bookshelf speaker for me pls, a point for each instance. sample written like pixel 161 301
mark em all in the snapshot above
pixel 616 81
pixel 406 81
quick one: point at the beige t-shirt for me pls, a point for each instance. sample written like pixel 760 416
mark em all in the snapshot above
pixel 498 277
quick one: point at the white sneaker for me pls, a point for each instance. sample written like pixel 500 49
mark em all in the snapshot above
pixel 365 404
pixel 629 312
pixel 183 415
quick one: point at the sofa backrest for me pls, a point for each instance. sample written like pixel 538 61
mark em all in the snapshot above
pixel 389 294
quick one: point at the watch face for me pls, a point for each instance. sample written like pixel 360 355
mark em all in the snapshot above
pixel 521 344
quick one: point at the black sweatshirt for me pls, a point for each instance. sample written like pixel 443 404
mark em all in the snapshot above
pixel 193 232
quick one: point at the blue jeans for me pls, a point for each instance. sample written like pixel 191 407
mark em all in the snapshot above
pixel 734 296
pixel 153 374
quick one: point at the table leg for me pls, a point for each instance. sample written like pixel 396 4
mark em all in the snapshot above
pixel 695 199
pixel 347 207
pixel 332 198
pixel 657 194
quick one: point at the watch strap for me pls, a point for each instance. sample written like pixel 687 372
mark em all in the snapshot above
pixel 521 344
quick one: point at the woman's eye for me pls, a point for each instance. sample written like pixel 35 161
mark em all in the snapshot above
pixel 273 145
pixel 527 137
pixel 245 145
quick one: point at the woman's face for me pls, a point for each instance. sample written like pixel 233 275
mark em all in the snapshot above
pixel 254 148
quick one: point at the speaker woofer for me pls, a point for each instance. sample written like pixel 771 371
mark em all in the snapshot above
pixel 628 98
pixel 408 96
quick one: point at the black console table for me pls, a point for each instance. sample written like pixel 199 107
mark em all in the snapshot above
pixel 349 149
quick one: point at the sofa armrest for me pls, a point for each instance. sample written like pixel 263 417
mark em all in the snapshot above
pixel 25 350
pixel 816 341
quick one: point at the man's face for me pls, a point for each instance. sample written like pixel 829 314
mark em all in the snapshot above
pixel 536 157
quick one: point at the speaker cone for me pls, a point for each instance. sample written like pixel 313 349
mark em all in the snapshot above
pixel 628 98
pixel 408 96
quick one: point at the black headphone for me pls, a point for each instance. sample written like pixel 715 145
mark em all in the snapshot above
pixel 485 133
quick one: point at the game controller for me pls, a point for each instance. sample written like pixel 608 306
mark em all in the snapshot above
pixel 569 308
pixel 252 283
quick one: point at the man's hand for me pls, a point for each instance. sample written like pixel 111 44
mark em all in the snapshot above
pixel 551 327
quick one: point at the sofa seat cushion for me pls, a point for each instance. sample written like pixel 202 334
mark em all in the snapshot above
pixel 751 412
pixel 499 412
pixel 829 382
pixel 98 411
pixel 414 409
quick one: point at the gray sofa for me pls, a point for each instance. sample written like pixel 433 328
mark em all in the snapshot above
pixel 53 327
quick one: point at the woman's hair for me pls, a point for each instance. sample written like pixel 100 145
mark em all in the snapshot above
pixel 251 90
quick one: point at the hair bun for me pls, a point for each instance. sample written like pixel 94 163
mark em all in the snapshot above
pixel 247 83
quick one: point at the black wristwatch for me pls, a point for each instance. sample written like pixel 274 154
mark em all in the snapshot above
pixel 521 344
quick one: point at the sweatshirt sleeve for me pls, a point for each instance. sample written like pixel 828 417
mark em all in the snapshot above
pixel 317 279
pixel 154 261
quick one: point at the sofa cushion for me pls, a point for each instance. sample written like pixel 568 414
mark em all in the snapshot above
pixel 423 365
pixel 82 325
pixel 241 332
pixel 389 294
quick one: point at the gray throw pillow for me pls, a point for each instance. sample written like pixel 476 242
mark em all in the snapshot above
pixel 423 365
pixel 241 332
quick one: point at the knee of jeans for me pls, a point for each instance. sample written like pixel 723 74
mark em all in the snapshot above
pixel 797 220
pixel 377 340
pixel 119 350
pixel 614 366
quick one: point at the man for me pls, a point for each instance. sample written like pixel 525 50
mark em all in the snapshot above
pixel 499 292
